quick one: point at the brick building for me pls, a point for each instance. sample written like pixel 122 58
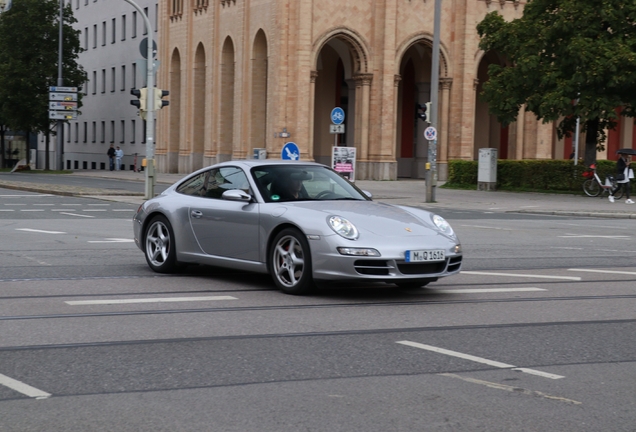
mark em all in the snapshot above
pixel 243 72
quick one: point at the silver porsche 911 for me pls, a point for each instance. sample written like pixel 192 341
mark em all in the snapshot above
pixel 301 222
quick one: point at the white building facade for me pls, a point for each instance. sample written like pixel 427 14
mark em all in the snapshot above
pixel 111 34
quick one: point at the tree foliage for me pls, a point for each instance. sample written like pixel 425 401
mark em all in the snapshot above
pixel 561 51
pixel 29 47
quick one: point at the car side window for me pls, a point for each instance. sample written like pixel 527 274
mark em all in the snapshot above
pixel 216 181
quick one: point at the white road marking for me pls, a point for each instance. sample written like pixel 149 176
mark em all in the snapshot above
pixel 12 204
pixel 123 210
pixel 148 300
pixel 532 206
pixel 32 210
pixel 512 389
pixel 94 210
pixel 23 388
pixel 484 290
pixel 112 240
pixel 487 227
pixel 615 237
pixel 574 278
pixel 6 210
pixel 479 359
pixel 603 271
pixel 75 205
pixel 99 204
pixel 43 204
pixel 27 196
pixel 39 231
pixel 568 248
pixel 73 214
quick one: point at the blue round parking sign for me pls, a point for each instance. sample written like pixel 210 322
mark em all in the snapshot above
pixel 290 151
pixel 337 115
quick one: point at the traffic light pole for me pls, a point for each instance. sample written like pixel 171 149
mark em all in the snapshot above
pixel 60 82
pixel 431 174
pixel 150 107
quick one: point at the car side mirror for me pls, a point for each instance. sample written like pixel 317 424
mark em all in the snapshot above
pixel 236 195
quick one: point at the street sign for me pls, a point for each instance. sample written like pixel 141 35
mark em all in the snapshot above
pixel 337 115
pixel 63 89
pixel 67 106
pixel 63 97
pixel 62 115
pixel 290 151
pixel 143 48
pixel 430 133
pixel 337 129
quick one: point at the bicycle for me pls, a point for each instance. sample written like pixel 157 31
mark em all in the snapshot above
pixel 593 186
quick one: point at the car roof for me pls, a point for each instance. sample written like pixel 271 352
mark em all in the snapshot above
pixel 250 163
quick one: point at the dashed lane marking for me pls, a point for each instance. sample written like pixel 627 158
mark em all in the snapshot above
pixel 148 300
pixel 79 215
pixel 574 278
pixel 39 231
pixel 484 290
pixel 603 271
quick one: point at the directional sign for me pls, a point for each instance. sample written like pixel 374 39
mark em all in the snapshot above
pixel 62 115
pixel 337 129
pixel 337 115
pixel 290 151
pixel 430 133
pixel 67 106
pixel 63 96
pixel 143 48
pixel 63 89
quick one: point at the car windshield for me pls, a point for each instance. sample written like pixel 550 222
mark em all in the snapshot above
pixel 282 183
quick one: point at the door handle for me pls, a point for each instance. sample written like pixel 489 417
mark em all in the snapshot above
pixel 196 214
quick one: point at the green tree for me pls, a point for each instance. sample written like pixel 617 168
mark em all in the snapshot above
pixel 29 49
pixel 561 51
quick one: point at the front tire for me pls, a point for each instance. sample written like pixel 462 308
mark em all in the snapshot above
pixel 159 246
pixel 591 187
pixel 290 262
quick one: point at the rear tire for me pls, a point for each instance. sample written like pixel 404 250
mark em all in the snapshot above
pixel 290 262
pixel 591 188
pixel 619 194
pixel 159 248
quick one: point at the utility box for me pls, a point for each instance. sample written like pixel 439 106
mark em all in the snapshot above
pixel 487 169
pixel 260 153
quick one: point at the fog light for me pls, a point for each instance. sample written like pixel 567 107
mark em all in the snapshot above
pixel 358 251
pixel 457 249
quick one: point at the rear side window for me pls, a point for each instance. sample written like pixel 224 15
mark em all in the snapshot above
pixel 212 183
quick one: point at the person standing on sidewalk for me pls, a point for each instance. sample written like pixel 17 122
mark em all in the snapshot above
pixel 622 177
pixel 111 157
pixel 119 154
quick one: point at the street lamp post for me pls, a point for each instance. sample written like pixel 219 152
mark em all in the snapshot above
pixel 150 108
pixel 431 178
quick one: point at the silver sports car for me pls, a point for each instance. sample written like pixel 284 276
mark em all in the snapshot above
pixel 301 222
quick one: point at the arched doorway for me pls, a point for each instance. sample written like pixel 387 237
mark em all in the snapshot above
pixel 489 133
pixel 258 114
pixel 172 159
pixel 334 87
pixel 227 102
pixel 414 89
pixel 199 117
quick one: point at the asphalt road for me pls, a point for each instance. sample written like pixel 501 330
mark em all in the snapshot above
pixel 535 334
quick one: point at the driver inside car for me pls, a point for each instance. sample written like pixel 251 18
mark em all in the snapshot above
pixel 289 186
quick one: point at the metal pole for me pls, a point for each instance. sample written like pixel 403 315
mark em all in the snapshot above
pixel 576 141
pixel 431 179
pixel 60 83
pixel 150 108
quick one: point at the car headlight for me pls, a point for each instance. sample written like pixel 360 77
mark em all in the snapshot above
pixel 343 227
pixel 443 226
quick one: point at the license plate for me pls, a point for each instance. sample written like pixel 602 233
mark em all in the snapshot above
pixel 425 255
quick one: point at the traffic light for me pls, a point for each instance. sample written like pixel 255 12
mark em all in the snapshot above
pixel 140 102
pixel 159 94
pixel 425 109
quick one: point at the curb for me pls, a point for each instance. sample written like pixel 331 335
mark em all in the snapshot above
pixel 578 214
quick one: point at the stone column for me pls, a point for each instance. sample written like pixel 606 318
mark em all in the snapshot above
pixel 312 103
pixel 521 121
pixel 444 129
pixel 363 82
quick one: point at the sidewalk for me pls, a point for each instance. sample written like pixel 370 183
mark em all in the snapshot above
pixel 401 192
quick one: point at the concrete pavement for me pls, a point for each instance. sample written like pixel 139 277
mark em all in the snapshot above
pixel 405 192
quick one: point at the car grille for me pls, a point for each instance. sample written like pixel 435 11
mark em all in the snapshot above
pixel 372 267
pixel 454 263
pixel 421 268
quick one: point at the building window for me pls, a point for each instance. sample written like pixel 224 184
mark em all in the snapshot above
pixel 103 33
pixel 123 132
pixel 176 8
pixel 134 75
pixel 94 134
pixel 146 13
pixel 133 131
pixel 143 131
pixel 95 36
pixel 94 82
pixel 114 25
pixel 112 131
pixel 103 80
pixel 123 27
pixel 112 80
pixel 134 24
pixel 85 132
pixel 103 132
pixel 123 77
pixel 85 37
pixel 200 5
pixel 68 133
pixel 77 131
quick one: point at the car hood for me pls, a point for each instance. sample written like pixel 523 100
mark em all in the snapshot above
pixel 383 220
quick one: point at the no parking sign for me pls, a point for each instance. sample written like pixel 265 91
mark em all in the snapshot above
pixel 430 133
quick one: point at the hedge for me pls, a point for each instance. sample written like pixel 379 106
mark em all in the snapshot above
pixel 533 175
